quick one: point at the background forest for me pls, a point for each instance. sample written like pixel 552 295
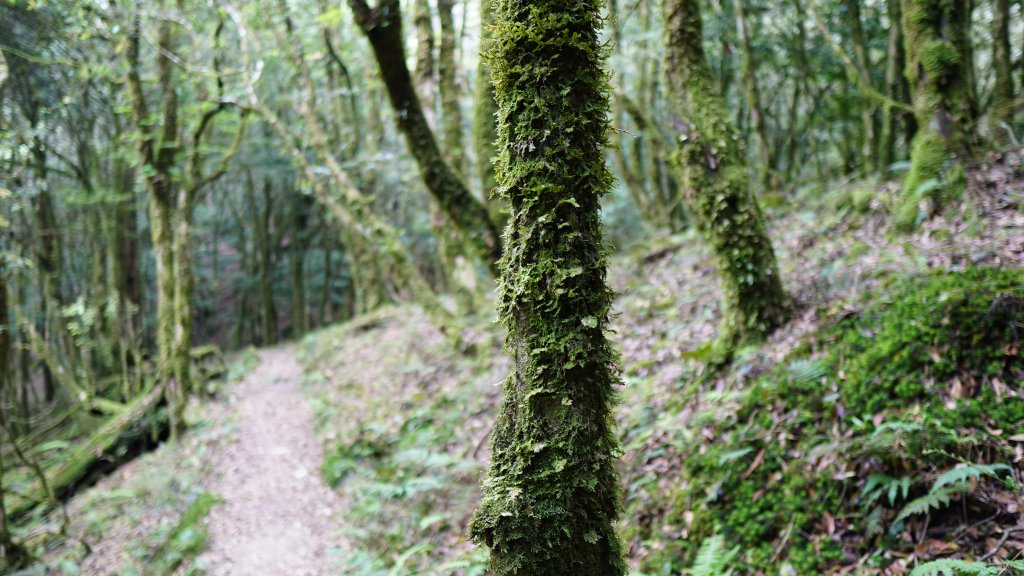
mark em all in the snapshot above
pixel 813 305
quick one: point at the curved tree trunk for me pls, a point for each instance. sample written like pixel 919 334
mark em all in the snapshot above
pixel 383 27
pixel 551 496
pixel 715 180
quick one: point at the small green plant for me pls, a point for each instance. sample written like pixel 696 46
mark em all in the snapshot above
pixel 951 567
pixel 950 483
pixel 713 558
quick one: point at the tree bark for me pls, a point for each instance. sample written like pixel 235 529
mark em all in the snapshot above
pixel 551 496
pixel 715 180
pixel 869 139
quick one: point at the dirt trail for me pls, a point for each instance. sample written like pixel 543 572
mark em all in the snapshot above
pixel 277 516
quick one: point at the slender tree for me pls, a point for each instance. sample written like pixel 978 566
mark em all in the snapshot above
pixel 1002 61
pixel 551 496
pixel 448 72
pixel 485 110
pixel 715 180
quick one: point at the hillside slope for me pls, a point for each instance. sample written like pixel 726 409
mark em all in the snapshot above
pixel 808 453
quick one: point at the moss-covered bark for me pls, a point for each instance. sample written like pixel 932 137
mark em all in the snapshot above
pixel 382 25
pixel 937 38
pixel 551 496
pixel 717 185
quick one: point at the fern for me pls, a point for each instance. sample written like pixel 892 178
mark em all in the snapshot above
pixel 950 567
pixel 963 474
pixel 713 559
pixel 932 501
pixel 879 484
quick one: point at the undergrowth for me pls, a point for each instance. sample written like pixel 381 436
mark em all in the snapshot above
pixel 828 457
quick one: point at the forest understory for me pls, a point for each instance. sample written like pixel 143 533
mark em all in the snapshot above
pixel 404 418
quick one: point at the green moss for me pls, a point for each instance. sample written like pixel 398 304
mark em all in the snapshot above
pixel 935 178
pixel 551 496
pixel 932 333
pixel 930 352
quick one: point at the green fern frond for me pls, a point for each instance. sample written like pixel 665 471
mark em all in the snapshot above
pixel 713 558
pixel 950 567
pixel 878 484
pixel 931 501
pixel 963 474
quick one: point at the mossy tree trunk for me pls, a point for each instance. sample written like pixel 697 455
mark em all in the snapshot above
pixel 935 34
pixel 1002 61
pixel 173 181
pixel 382 25
pixel 717 185
pixel 485 110
pixel 551 496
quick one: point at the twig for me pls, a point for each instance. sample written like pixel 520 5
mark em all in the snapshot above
pixel 1002 541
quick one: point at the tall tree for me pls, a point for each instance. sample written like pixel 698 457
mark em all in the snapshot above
pixel 935 34
pixel 716 182
pixel 551 496
pixel 485 109
pixel 1002 61
pixel 752 92
pixel 382 25
pixel 173 161
pixel 448 74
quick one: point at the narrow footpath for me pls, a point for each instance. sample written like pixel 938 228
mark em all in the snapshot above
pixel 277 516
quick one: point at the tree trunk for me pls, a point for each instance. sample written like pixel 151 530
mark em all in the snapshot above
pixel 485 121
pixel 752 92
pixel 448 71
pixel 1002 92
pixel 715 180
pixel 869 140
pixel 895 86
pixel 939 78
pixel 425 69
pixel 184 288
pixel 551 496
pixel 383 27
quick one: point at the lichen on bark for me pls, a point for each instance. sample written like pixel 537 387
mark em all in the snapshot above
pixel 551 497
pixel 712 162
